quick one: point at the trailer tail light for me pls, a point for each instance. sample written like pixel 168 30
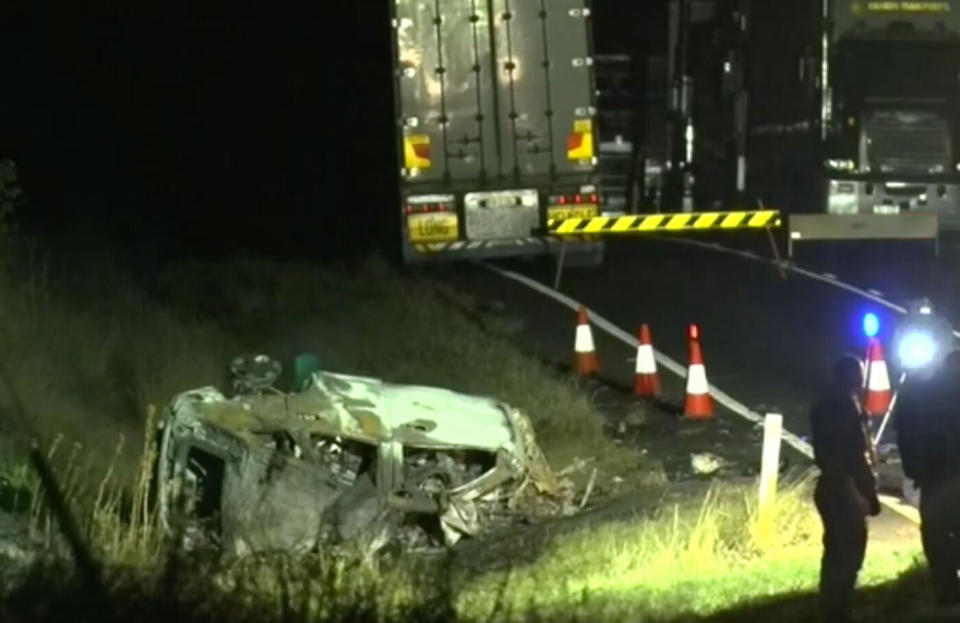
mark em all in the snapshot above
pixel 574 199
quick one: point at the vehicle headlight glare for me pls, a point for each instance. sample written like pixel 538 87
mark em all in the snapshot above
pixel 916 350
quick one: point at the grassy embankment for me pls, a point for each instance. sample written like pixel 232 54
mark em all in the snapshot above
pixel 89 349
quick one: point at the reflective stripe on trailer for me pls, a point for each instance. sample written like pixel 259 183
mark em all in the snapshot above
pixel 655 223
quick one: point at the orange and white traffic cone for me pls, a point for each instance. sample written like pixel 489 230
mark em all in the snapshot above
pixel 647 380
pixel 876 400
pixel 585 354
pixel 699 404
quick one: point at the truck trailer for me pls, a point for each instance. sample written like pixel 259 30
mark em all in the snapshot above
pixel 495 123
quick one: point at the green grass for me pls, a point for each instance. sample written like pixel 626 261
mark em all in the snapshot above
pixel 685 561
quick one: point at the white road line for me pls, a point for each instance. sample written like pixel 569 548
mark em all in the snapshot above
pixel 722 397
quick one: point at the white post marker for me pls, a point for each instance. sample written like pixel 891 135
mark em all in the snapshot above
pixel 770 464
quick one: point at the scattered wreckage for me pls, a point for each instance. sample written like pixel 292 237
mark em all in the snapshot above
pixel 346 459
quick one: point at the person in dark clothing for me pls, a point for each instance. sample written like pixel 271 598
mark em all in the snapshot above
pixel 928 436
pixel 846 491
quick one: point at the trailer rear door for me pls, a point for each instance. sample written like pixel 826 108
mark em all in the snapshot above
pixel 494 93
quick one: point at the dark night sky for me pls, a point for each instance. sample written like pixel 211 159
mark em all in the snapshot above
pixel 216 121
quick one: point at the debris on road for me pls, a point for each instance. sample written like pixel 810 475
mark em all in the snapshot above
pixel 349 459
pixel 705 463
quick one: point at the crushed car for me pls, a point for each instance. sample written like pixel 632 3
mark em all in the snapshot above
pixel 346 459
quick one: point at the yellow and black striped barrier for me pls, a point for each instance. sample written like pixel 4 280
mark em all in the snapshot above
pixel 659 223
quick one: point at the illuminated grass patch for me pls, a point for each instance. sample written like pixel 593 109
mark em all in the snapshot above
pixel 698 560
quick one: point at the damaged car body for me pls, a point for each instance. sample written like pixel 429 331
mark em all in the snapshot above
pixel 348 459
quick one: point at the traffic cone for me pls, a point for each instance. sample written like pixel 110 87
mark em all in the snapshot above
pixel 878 393
pixel 585 355
pixel 699 404
pixel 647 380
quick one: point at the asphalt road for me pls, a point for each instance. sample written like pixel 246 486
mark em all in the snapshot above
pixel 768 341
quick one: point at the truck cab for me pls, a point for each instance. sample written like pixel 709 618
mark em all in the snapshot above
pixel 890 108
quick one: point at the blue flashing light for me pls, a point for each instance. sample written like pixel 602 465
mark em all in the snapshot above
pixel 871 324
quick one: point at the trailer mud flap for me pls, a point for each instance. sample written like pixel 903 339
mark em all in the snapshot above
pixel 823 227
